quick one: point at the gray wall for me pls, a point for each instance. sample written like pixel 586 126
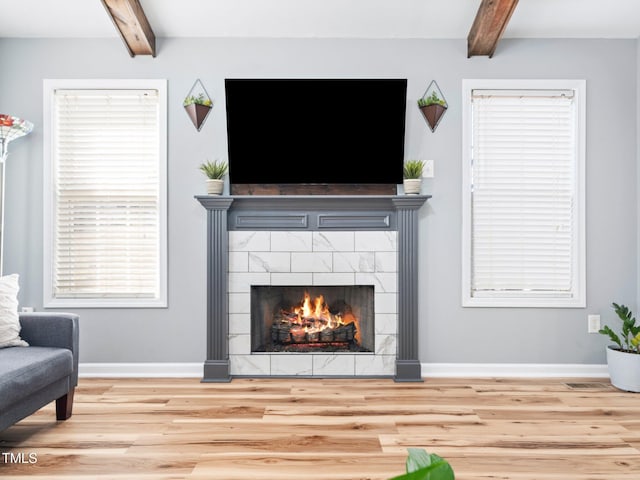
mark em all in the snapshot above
pixel 448 332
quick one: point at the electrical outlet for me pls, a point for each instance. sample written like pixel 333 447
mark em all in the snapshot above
pixel 593 323
pixel 27 310
pixel 428 170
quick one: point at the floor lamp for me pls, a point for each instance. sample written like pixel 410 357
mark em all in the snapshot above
pixel 10 128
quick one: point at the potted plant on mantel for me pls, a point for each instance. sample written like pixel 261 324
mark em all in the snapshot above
pixel 623 358
pixel 412 173
pixel 215 172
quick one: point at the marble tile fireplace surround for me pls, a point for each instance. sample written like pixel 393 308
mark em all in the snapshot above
pixel 338 243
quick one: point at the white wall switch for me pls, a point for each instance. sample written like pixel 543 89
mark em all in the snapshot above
pixel 593 323
pixel 428 170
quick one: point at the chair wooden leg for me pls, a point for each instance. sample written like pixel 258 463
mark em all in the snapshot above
pixel 64 405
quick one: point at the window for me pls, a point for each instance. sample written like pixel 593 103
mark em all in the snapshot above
pixel 523 193
pixel 105 193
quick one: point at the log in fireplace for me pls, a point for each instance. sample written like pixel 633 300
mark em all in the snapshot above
pixel 316 319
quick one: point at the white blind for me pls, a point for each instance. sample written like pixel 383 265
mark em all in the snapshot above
pixel 107 199
pixel 523 187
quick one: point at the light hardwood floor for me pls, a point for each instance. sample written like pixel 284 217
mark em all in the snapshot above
pixel 322 429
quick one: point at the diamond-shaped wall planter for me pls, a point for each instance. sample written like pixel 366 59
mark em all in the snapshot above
pixel 433 105
pixel 198 104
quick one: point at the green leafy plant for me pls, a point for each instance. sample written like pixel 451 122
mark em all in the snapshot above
pixel 629 338
pixel 215 169
pixel 200 99
pixel 413 169
pixel 432 99
pixel 422 465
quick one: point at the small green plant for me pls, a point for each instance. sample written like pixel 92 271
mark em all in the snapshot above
pixel 432 99
pixel 629 339
pixel 215 169
pixel 422 465
pixel 200 99
pixel 413 169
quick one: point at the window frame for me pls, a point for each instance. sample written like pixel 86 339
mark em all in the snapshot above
pixel 577 299
pixel 49 197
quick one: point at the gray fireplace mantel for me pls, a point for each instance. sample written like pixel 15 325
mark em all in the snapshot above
pixel 315 212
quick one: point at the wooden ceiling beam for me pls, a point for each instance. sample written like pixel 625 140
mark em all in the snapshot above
pixel 133 26
pixel 488 26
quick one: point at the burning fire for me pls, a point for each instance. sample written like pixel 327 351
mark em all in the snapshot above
pixel 315 317
pixel 319 312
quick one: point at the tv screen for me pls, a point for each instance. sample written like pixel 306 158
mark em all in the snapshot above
pixel 327 131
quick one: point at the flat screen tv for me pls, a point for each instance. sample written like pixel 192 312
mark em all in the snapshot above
pixel 316 131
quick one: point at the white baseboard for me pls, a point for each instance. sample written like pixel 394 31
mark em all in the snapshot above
pixel 140 370
pixel 441 370
pixel 511 370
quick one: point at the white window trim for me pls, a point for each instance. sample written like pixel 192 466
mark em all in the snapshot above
pixel 50 86
pixel 578 300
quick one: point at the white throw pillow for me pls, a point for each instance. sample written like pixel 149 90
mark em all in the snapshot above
pixel 9 320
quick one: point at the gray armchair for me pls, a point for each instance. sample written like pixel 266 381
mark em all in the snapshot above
pixel 46 370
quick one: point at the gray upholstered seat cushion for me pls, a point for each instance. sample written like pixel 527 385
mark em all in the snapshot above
pixel 25 370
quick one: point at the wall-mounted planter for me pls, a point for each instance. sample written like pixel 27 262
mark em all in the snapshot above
pixel 433 105
pixel 198 113
pixel 198 104
pixel 433 114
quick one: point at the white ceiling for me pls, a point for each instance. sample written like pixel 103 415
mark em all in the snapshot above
pixel 323 18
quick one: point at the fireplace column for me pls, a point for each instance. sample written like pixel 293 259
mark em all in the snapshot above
pixel 216 366
pixel 407 363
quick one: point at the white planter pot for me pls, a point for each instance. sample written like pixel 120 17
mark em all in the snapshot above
pixel 624 369
pixel 412 186
pixel 214 186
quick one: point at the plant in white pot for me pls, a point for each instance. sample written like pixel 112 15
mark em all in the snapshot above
pixel 215 172
pixel 623 358
pixel 412 174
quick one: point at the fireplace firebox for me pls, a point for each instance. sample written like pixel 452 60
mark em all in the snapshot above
pixel 317 319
